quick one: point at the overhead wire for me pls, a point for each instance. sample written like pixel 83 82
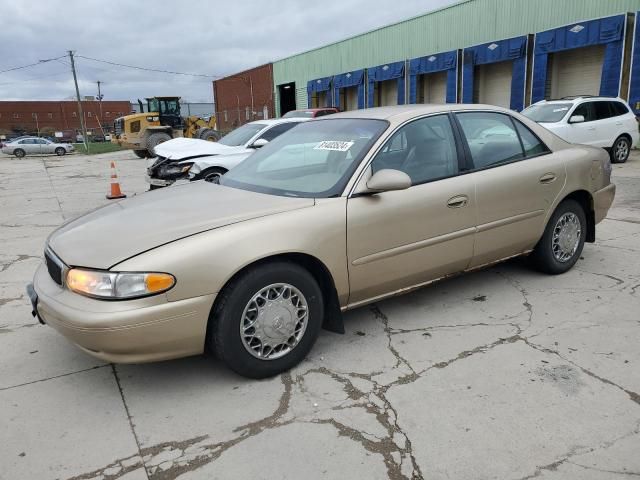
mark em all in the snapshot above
pixel 39 62
pixel 148 69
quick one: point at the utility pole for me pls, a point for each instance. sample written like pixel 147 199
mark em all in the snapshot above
pixel 100 98
pixel 75 80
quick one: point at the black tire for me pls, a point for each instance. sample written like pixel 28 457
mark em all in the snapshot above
pixel 210 135
pixel 226 317
pixel 155 187
pixel 19 153
pixel 543 257
pixel 211 175
pixel 620 151
pixel 156 139
pixel 141 153
pixel 60 151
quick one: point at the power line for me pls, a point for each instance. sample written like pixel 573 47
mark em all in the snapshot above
pixel 146 68
pixel 39 62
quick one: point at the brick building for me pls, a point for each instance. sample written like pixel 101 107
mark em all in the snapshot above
pixel 33 116
pixel 244 97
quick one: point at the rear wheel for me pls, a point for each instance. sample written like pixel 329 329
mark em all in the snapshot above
pixel 141 153
pixel 563 240
pixel 60 151
pixel 18 152
pixel 620 150
pixel 267 319
pixel 156 139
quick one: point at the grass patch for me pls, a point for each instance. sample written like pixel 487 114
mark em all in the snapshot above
pixel 96 148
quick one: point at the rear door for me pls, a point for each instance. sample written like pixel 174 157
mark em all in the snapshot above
pixel 400 239
pixel 517 179
pixel 605 123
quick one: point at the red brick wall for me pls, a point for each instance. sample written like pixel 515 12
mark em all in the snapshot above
pixel 59 115
pixel 232 95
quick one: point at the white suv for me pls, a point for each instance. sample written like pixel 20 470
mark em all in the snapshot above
pixel 599 121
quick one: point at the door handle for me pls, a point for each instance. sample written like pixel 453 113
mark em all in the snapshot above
pixel 458 201
pixel 548 178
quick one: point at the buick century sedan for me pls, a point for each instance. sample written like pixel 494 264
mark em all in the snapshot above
pixel 336 213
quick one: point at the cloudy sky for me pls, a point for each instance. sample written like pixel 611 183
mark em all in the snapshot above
pixel 214 37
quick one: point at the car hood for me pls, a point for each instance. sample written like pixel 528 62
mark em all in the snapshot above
pixel 121 230
pixel 179 148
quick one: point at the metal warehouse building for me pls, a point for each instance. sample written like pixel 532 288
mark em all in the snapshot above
pixel 502 52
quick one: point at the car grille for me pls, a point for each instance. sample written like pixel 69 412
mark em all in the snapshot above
pixel 55 267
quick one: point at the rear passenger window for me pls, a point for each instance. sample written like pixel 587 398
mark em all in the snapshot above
pixel 618 109
pixel 491 137
pixel 277 130
pixel 532 144
pixel 602 110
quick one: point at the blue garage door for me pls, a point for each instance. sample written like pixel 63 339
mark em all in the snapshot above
pixel 634 81
pixel 347 80
pixel 440 62
pixel 382 73
pixel 512 49
pixel 608 31
pixel 317 86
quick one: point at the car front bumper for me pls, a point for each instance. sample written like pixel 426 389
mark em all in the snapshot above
pixel 125 331
pixel 602 200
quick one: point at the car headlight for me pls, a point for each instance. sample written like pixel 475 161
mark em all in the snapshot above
pixel 112 285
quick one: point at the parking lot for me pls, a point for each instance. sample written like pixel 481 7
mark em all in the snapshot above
pixel 504 373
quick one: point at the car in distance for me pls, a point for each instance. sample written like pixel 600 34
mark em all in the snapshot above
pixel 334 214
pixel 599 121
pixel 187 158
pixel 311 112
pixel 35 146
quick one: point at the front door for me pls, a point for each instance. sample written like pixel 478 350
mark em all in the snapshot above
pixel 517 180
pixel 584 132
pixel 400 239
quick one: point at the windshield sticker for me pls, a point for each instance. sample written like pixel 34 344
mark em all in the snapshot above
pixel 335 145
pixel 563 109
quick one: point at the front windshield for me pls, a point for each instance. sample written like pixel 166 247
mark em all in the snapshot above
pixel 152 105
pixel 313 159
pixel 298 114
pixel 241 135
pixel 547 112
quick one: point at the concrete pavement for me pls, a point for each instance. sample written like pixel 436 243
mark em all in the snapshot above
pixel 504 373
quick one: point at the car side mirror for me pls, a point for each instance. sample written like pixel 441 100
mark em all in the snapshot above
pixel 259 143
pixel 576 119
pixel 387 180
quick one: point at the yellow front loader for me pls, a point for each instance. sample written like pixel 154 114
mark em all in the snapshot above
pixel 162 121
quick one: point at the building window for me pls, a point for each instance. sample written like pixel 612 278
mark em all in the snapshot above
pixel 246 112
pixel 73 114
pixel 108 114
pixel 226 118
pixel 34 115
pixel 89 114
pixel 50 115
pixel 16 115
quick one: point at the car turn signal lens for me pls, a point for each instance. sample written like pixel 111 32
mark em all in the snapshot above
pixel 114 285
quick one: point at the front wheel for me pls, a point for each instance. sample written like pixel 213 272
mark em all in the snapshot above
pixel 60 151
pixel 266 320
pixel 620 150
pixel 19 153
pixel 212 175
pixel 563 240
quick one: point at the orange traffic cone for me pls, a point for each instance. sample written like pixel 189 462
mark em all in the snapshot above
pixel 115 185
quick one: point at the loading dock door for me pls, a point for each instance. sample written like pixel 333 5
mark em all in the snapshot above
pixel 387 93
pixel 348 99
pixel 576 72
pixel 493 84
pixel 287 94
pixel 433 88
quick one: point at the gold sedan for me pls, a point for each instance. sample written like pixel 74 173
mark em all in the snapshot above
pixel 336 213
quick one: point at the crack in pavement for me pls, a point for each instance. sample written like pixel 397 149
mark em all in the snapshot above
pixel 616 472
pixel 54 377
pixel 21 258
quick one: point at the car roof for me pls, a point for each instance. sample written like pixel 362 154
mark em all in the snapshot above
pixel 275 121
pixel 399 112
pixel 578 98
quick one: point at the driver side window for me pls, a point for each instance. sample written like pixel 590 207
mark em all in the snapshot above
pixel 424 149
